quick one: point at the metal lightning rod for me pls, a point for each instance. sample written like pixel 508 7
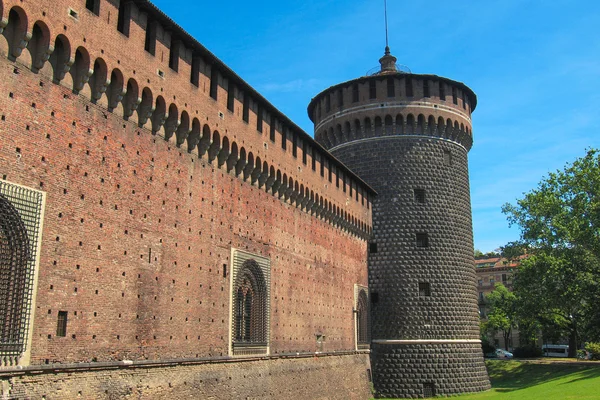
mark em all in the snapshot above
pixel 387 46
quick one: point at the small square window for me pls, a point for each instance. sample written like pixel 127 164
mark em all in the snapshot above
pixel 420 196
pixel 61 326
pixel 424 289
pixel 372 247
pixel 422 240
pixel 447 158
pixel 429 389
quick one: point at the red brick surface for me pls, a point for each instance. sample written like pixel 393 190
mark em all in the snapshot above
pixel 137 230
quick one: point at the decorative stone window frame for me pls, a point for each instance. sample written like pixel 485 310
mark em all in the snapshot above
pixel 242 263
pixel 358 289
pixel 21 210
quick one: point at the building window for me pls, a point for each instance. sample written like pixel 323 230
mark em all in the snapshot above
pixel 426 88
pixel 214 82
pixel 195 71
pixel 492 281
pixel 230 95
pixel 424 289
pixel 442 91
pixel 251 304
pixel 372 89
pixel 480 296
pixel 447 158
pixel 340 96
pixel 480 282
pixel 454 96
pixel 355 93
pixel 391 87
pixel 61 325
pixel 174 55
pixel 429 389
pixel 283 138
pixel 272 129
pixel 420 196
pixel 124 18
pixel 464 100
pixel 422 240
pixel 20 220
pixel 294 144
pixel 409 87
pixel 93 6
pixel 150 43
pixel 504 278
pixel 373 247
pixel 246 108
pixel 362 317
pixel 259 118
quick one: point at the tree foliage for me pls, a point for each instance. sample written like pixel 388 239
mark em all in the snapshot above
pixel 501 316
pixel 557 286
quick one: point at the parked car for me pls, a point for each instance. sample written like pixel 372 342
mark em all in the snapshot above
pixel 503 354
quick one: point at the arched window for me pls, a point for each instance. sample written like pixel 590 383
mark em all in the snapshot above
pixel 250 323
pixel 20 211
pixel 362 318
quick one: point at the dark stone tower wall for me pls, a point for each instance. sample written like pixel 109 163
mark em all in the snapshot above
pixel 425 323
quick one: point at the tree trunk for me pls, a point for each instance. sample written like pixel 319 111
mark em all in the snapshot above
pixel 573 341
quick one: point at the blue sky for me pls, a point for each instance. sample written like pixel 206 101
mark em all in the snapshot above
pixel 534 65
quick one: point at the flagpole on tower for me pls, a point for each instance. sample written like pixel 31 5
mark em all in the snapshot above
pixel 387 46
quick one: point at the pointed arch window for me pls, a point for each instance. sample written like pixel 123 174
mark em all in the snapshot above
pixel 251 304
pixel 20 231
pixel 362 317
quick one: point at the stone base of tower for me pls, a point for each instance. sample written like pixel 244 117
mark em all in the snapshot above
pixel 427 370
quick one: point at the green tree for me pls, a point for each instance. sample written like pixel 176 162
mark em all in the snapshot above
pixel 560 227
pixel 501 316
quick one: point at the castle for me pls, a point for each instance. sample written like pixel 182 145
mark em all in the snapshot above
pixel 168 233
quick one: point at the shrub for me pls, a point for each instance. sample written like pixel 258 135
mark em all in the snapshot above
pixel 529 351
pixel 593 348
pixel 487 347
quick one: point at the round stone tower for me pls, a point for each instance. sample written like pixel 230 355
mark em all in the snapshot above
pixel 407 135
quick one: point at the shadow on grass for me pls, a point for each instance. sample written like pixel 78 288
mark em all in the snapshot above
pixel 508 376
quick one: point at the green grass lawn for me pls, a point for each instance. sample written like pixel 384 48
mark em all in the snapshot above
pixel 545 381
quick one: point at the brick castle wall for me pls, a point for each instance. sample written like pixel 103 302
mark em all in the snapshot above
pixel 150 185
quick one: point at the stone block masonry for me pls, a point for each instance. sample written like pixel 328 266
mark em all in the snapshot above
pixel 321 378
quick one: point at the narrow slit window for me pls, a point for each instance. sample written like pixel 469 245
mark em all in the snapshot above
pixel 61 325
pixel 422 240
pixel 195 71
pixel 426 88
pixel 409 87
pixel 294 145
pixel 372 89
pixel 391 87
pixel 328 103
pixel 304 152
pixel 447 158
pixel 174 55
pixel 150 43
pixel 340 96
pixel 322 159
pixel 454 96
pixel 464 100
pixel 420 196
pixel 230 95
pixel 214 82
pixel 246 108
pixel 314 159
pixel 283 138
pixel 442 91
pixel 355 93
pixel 259 119
pixel 124 18
pixel 272 129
